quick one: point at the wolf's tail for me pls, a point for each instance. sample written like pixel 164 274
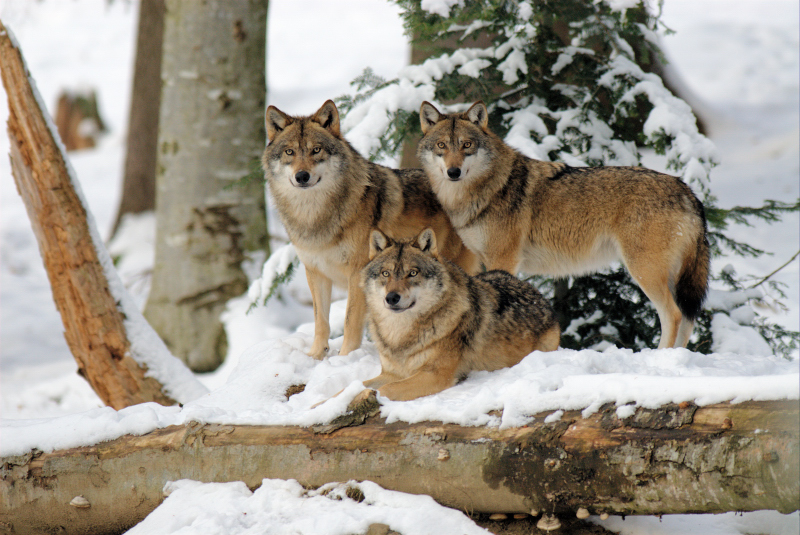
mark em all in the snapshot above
pixel 692 285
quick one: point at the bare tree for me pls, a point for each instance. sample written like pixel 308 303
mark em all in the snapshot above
pixel 139 178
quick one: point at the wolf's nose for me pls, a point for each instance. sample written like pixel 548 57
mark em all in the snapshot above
pixel 454 172
pixel 393 298
pixel 302 177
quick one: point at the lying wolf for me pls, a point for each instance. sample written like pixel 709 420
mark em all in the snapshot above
pixel 433 323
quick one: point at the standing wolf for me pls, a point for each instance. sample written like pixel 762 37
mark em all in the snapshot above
pixel 433 323
pixel 547 218
pixel 329 198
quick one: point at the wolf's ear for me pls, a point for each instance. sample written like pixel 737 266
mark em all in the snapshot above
pixel 428 116
pixel 377 243
pixel 328 117
pixel 426 241
pixel 478 114
pixel 276 121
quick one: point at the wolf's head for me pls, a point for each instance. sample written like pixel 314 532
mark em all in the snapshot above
pixel 455 147
pixel 303 151
pixel 403 276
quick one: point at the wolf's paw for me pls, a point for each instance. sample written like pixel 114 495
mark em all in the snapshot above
pixel 318 351
pixel 348 347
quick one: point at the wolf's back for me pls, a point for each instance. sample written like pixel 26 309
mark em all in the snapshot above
pixel 518 302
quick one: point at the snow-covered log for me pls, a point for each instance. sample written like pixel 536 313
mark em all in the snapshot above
pixel 122 358
pixel 675 459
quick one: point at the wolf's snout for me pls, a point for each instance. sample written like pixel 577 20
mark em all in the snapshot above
pixel 454 173
pixel 392 298
pixel 302 177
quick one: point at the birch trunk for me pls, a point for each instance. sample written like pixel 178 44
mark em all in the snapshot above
pixel 676 459
pixel 211 136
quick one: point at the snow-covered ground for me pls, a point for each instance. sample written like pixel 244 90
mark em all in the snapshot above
pixel 740 59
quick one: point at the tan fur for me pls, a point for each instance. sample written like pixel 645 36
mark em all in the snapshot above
pixel 519 214
pixel 433 323
pixel 329 198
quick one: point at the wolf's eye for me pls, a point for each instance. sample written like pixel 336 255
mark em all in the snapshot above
pixel 289 152
pixel 467 144
pixel 316 150
pixel 385 273
pixel 413 273
pixel 441 145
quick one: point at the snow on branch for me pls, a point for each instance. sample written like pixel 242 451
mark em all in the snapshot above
pixel 586 102
pixel 278 269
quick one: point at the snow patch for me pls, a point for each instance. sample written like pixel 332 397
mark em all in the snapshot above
pixel 284 506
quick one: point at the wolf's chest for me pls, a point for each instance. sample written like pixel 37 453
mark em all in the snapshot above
pixel 475 237
pixel 336 262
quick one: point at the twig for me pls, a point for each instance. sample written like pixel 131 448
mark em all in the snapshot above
pixel 759 283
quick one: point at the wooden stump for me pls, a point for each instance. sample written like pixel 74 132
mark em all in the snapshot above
pixel 74 111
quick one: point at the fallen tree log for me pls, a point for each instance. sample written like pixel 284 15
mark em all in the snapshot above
pixel 93 317
pixel 676 459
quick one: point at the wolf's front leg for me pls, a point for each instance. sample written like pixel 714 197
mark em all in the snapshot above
pixel 438 374
pixel 354 315
pixel 420 384
pixel 320 287
pixel 380 380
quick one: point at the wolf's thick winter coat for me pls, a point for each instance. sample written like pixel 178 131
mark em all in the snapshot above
pixel 329 198
pixel 519 214
pixel 433 323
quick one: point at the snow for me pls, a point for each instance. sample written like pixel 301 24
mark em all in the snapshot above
pixel 671 116
pixel 566 57
pixel 739 57
pixel 254 393
pixel 724 524
pixel 279 507
pixel 133 251
pixel 440 7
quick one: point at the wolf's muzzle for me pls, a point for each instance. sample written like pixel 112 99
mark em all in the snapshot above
pixel 454 173
pixel 394 303
pixel 302 178
pixel 392 298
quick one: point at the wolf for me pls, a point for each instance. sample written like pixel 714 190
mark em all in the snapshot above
pixel 329 198
pixel 520 214
pixel 433 323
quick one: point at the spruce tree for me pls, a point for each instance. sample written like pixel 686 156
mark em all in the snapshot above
pixel 567 80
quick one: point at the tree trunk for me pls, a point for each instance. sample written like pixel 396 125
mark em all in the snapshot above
pixel 93 322
pixel 211 136
pixel 676 459
pixel 139 178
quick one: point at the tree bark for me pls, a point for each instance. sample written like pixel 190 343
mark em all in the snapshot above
pixel 139 177
pixel 211 136
pixel 676 459
pixel 93 323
